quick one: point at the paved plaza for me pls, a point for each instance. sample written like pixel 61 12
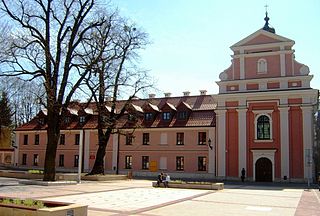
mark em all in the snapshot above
pixel 137 197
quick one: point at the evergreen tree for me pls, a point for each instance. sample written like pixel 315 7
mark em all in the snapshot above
pixel 5 111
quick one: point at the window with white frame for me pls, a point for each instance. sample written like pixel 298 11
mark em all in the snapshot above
pixel 263 125
pixel 262 66
pixel 163 163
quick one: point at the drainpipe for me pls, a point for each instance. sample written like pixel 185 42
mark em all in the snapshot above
pixel 117 170
pixel 80 156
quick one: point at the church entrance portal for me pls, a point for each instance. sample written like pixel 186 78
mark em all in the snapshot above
pixel 263 170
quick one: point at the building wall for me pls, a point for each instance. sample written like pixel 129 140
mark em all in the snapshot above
pixel 157 148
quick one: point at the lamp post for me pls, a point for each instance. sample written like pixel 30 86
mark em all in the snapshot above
pixel 212 154
pixel 209 143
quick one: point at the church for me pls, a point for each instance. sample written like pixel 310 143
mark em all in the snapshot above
pixel 265 111
pixel 262 121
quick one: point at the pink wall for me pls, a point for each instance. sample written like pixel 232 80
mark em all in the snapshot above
pixel 289 69
pixel 273 85
pixel 273 67
pixel 252 86
pixel 232 143
pixel 296 142
pixel 261 39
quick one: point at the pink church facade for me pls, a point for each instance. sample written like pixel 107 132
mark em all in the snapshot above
pixel 261 120
pixel 265 110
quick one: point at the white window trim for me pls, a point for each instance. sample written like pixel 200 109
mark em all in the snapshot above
pixel 255 127
pixel 260 69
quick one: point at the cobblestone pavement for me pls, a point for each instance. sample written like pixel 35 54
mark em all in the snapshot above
pixel 137 197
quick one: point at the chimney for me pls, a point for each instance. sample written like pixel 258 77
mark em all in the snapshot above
pixel 168 94
pixel 203 92
pixel 186 93
pixel 152 95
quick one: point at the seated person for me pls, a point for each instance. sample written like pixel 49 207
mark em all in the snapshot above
pixel 166 180
pixel 160 179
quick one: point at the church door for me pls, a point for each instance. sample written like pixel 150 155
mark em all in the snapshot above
pixel 263 170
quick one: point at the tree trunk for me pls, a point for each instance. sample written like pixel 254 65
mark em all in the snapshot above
pixel 98 167
pixel 53 134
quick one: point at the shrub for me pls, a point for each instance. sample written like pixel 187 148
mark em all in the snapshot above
pixel 35 171
pixel 27 202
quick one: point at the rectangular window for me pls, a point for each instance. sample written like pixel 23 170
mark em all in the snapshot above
pixel 163 139
pixel 76 161
pixel 82 119
pixel 145 162
pixel 36 139
pixel 67 120
pixel 180 163
pixel 35 160
pixel 202 163
pixel 182 115
pixel 62 139
pixel 163 163
pixel 132 117
pixel 145 139
pixel 41 121
pixel 61 160
pixel 148 116
pixel 202 138
pixel 129 139
pixel 24 159
pixel 25 139
pixel 180 138
pixel 166 116
pixel 77 139
pixel 128 162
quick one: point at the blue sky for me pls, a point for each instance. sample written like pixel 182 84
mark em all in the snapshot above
pixel 191 38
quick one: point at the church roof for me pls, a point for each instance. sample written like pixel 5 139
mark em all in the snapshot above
pixel 265 35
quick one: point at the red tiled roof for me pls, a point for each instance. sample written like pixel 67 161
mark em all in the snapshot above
pixel 201 114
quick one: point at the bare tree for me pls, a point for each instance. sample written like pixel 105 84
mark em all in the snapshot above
pixel 114 76
pixel 45 41
pixel 25 98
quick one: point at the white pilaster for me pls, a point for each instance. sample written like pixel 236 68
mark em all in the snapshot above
pixel 221 142
pixel 80 156
pixel 284 140
pixel 242 87
pixel 262 86
pixel 115 150
pixel 242 67
pixel 242 127
pixel 212 152
pixel 283 84
pixel 86 153
pixel 282 64
pixel 307 140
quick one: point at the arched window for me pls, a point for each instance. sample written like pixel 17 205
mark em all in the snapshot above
pixel 263 128
pixel 262 66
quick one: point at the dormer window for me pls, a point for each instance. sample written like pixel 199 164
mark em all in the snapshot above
pixel 262 66
pixel 131 117
pixel 82 119
pixel 41 121
pixel 182 115
pixel 67 120
pixel 148 116
pixel 166 116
